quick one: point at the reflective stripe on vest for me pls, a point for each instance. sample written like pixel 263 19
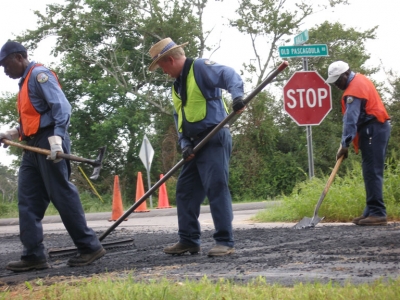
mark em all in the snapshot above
pixel 362 88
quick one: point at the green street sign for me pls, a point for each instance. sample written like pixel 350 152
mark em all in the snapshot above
pixel 303 51
pixel 301 38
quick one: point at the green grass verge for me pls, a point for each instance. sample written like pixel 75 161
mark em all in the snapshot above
pixel 112 287
pixel 344 200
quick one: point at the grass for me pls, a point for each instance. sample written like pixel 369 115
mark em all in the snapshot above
pixel 344 200
pixel 113 287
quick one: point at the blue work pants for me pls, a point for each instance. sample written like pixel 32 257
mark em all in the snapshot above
pixel 373 141
pixel 39 182
pixel 206 175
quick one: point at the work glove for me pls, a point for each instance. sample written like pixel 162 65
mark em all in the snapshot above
pixel 342 152
pixel 10 135
pixel 238 104
pixel 55 142
pixel 187 151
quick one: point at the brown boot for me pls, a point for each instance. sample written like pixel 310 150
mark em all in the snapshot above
pixel 25 265
pixel 373 221
pixel 180 248
pixel 220 250
pixel 357 220
pixel 86 259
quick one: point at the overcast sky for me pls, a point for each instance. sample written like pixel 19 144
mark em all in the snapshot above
pixel 362 14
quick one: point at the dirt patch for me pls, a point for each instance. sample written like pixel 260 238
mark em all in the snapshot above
pixel 280 255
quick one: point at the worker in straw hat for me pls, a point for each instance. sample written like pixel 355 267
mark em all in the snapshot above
pixel 366 124
pixel 199 108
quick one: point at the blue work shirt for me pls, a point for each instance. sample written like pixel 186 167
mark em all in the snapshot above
pixel 48 99
pixel 354 116
pixel 211 77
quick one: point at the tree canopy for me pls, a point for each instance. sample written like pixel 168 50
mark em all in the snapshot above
pixel 102 48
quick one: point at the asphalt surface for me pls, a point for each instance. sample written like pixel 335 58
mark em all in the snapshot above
pixel 330 252
pixel 156 218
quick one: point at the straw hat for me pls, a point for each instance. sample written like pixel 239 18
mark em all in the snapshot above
pixel 160 49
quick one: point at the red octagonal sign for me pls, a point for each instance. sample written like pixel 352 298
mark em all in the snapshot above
pixel 307 98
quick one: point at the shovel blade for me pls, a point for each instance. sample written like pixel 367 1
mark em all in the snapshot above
pixel 308 222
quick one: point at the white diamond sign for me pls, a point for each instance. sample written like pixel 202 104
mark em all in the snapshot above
pixel 146 153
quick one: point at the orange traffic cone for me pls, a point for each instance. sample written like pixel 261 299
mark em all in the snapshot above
pixel 163 196
pixel 117 209
pixel 139 193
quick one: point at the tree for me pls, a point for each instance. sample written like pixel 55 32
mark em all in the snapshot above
pixel 8 184
pixel 103 50
pixel 278 156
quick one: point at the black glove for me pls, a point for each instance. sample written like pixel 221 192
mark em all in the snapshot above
pixel 187 151
pixel 342 152
pixel 238 104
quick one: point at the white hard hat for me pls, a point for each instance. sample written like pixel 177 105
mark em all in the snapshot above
pixel 336 69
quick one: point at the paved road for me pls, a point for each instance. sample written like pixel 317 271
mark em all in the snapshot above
pixel 164 219
pixel 329 252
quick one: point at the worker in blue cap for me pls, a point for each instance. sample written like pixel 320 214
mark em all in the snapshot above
pixel 44 117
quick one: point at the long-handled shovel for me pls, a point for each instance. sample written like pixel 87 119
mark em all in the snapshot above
pixel 258 89
pixel 95 163
pixel 311 222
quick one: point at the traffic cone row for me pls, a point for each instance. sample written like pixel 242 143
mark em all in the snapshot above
pixel 117 208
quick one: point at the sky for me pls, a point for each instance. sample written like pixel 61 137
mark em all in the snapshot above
pixel 18 16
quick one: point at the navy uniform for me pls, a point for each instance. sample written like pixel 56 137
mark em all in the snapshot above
pixel 44 115
pixel 198 109
pixel 40 180
pixel 372 139
pixel 366 124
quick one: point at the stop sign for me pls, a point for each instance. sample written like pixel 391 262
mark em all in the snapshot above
pixel 307 98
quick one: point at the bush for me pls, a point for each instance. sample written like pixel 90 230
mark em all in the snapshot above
pixel 344 200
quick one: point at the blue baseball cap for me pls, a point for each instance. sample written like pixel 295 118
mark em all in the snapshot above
pixel 9 48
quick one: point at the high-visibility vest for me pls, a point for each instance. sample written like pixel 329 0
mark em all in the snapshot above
pixel 194 110
pixel 29 117
pixel 362 88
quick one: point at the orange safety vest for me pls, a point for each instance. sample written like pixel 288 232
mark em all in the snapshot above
pixel 29 117
pixel 362 88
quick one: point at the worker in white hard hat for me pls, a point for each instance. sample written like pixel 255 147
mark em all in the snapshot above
pixel 366 124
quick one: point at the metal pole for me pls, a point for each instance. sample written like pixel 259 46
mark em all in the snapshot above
pixel 148 170
pixel 309 135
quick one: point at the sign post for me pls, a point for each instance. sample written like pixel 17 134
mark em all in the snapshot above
pixel 306 102
pixel 146 154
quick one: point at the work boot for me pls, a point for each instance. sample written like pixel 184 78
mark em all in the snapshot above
pixel 358 219
pixel 220 250
pixel 26 265
pixel 86 259
pixel 180 248
pixel 373 221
